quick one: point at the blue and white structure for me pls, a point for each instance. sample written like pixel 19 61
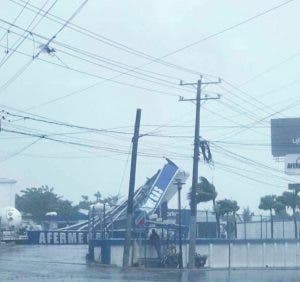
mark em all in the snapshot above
pixel 148 200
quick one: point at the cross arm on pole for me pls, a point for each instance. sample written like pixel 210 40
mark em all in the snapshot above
pixel 182 99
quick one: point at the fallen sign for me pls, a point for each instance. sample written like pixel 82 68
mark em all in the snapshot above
pixel 292 164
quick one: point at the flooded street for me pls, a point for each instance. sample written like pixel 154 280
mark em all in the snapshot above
pixel 67 263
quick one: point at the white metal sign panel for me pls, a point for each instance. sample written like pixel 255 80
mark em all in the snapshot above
pixel 292 164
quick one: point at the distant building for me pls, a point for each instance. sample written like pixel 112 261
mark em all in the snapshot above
pixel 7 193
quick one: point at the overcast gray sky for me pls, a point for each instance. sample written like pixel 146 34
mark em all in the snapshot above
pixel 260 58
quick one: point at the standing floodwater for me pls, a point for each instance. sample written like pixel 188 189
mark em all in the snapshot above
pixel 67 263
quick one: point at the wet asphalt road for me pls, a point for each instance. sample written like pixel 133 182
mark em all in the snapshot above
pixel 67 263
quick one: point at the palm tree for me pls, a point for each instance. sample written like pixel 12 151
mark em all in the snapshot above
pixel 85 203
pixel 247 214
pixel 269 203
pixel 227 207
pixel 98 196
pixel 206 191
pixel 291 200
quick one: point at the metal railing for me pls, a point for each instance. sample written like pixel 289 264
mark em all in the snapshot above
pixel 250 227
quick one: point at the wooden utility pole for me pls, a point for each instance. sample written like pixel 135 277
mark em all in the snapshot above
pixel 135 139
pixel 193 204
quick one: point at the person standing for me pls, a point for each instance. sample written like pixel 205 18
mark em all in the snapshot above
pixel 155 242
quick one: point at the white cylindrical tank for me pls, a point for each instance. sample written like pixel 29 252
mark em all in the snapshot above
pixel 7 192
pixel 10 218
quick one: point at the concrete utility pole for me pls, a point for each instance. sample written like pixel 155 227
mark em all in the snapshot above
pixel 135 140
pixel 193 204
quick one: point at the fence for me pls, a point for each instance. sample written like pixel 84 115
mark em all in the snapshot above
pixel 283 228
pixel 250 227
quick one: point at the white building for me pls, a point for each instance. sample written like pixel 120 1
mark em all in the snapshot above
pixel 7 192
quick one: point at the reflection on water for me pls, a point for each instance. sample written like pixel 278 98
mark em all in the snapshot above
pixel 67 263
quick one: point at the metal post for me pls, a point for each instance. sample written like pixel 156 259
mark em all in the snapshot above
pixel 229 245
pixel 283 235
pixel 206 217
pixel 91 253
pixel 245 229
pixel 104 221
pixel 261 227
pixel 179 187
pixel 135 139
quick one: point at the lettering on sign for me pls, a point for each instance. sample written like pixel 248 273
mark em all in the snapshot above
pixel 296 140
pixel 61 238
pixel 292 164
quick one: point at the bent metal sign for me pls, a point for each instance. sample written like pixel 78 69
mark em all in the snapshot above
pixel 58 237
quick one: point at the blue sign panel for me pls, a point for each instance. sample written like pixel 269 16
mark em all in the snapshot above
pixel 166 176
pixel 160 187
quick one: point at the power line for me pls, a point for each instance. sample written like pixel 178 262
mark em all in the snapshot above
pixel 128 68
pixel 90 86
pixel 124 170
pixel 250 127
pixel 247 20
pixel 64 124
pixel 269 69
pixel 5 59
pixel 15 20
pixel 263 105
pixel 222 164
pixel 18 152
pixel 192 44
pixel 250 178
pixel 232 120
pixel 84 145
pixel 19 72
pixel 114 43
pixel 216 34
pixel 243 159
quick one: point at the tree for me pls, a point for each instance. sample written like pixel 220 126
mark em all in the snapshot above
pixel 247 215
pixel 270 203
pixel 39 201
pixel 65 208
pixel 111 201
pixel 85 203
pixel 280 208
pixel 229 208
pixel 206 191
pixel 98 196
pixel 291 200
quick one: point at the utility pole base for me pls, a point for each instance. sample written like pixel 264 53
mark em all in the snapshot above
pixel 192 242
pixel 127 242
